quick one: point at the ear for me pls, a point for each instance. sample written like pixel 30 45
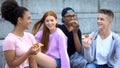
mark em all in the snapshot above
pixel 62 18
pixel 111 21
pixel 57 20
pixel 19 20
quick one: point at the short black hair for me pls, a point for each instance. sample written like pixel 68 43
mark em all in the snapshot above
pixel 66 10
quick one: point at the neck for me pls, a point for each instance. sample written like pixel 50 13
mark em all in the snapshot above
pixel 52 31
pixel 18 31
pixel 104 33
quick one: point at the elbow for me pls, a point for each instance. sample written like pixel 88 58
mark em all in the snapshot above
pixel 12 66
pixel 78 49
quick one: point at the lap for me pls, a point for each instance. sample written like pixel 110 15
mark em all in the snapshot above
pixel 93 65
pixel 77 61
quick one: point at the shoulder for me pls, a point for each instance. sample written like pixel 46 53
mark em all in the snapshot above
pixel 94 34
pixel 10 38
pixel 115 36
pixel 60 33
pixel 61 26
pixel 28 34
pixel 39 33
pixel 9 42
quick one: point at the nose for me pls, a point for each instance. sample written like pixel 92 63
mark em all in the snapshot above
pixel 30 21
pixel 98 20
pixel 49 22
pixel 72 17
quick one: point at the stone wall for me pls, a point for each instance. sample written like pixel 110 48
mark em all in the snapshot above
pixel 86 12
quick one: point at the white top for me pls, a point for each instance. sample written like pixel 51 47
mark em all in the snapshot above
pixel 102 49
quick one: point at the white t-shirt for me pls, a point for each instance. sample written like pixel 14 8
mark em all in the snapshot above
pixel 102 49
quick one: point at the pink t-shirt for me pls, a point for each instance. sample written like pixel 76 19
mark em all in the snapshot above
pixel 20 44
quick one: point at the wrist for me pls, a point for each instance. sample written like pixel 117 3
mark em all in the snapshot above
pixel 74 32
pixel 28 54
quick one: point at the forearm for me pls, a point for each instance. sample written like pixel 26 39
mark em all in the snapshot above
pixel 117 55
pixel 33 62
pixel 77 42
pixel 17 61
pixel 88 55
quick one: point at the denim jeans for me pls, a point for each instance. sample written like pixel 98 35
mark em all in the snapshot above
pixel 58 61
pixel 77 60
pixel 93 65
pixel 27 67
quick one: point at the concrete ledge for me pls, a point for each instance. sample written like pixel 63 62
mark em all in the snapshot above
pixel 2 58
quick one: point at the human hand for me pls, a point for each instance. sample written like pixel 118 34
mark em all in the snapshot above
pixel 75 25
pixel 87 40
pixel 35 49
pixel 38 45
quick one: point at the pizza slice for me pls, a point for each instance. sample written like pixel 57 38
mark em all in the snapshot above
pixel 89 37
pixel 38 45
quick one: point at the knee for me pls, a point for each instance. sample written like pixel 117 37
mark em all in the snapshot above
pixel 90 65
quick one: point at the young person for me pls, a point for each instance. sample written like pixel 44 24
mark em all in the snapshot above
pixel 71 29
pixel 103 51
pixel 54 40
pixel 19 46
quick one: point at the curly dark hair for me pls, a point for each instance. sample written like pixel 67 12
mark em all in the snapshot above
pixel 11 11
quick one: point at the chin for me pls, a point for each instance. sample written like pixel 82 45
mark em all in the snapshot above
pixel 28 28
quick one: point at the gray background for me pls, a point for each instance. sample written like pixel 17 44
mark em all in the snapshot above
pixel 86 12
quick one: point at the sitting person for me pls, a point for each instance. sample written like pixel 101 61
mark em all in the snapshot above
pixel 19 47
pixel 103 50
pixel 54 40
pixel 72 31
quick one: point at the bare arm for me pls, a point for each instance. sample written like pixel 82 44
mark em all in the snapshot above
pixel 77 42
pixel 14 61
pixel 33 62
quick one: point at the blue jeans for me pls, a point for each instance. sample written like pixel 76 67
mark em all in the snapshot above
pixel 77 60
pixel 58 61
pixel 27 67
pixel 93 65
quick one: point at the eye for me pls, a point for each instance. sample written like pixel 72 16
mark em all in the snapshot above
pixel 29 18
pixel 52 20
pixel 46 20
pixel 101 19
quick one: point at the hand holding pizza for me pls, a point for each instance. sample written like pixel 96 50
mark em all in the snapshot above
pixel 87 40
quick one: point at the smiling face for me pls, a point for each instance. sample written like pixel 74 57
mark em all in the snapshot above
pixel 51 22
pixel 103 21
pixel 25 21
pixel 69 17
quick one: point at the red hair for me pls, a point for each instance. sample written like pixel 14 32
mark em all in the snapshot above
pixel 46 31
